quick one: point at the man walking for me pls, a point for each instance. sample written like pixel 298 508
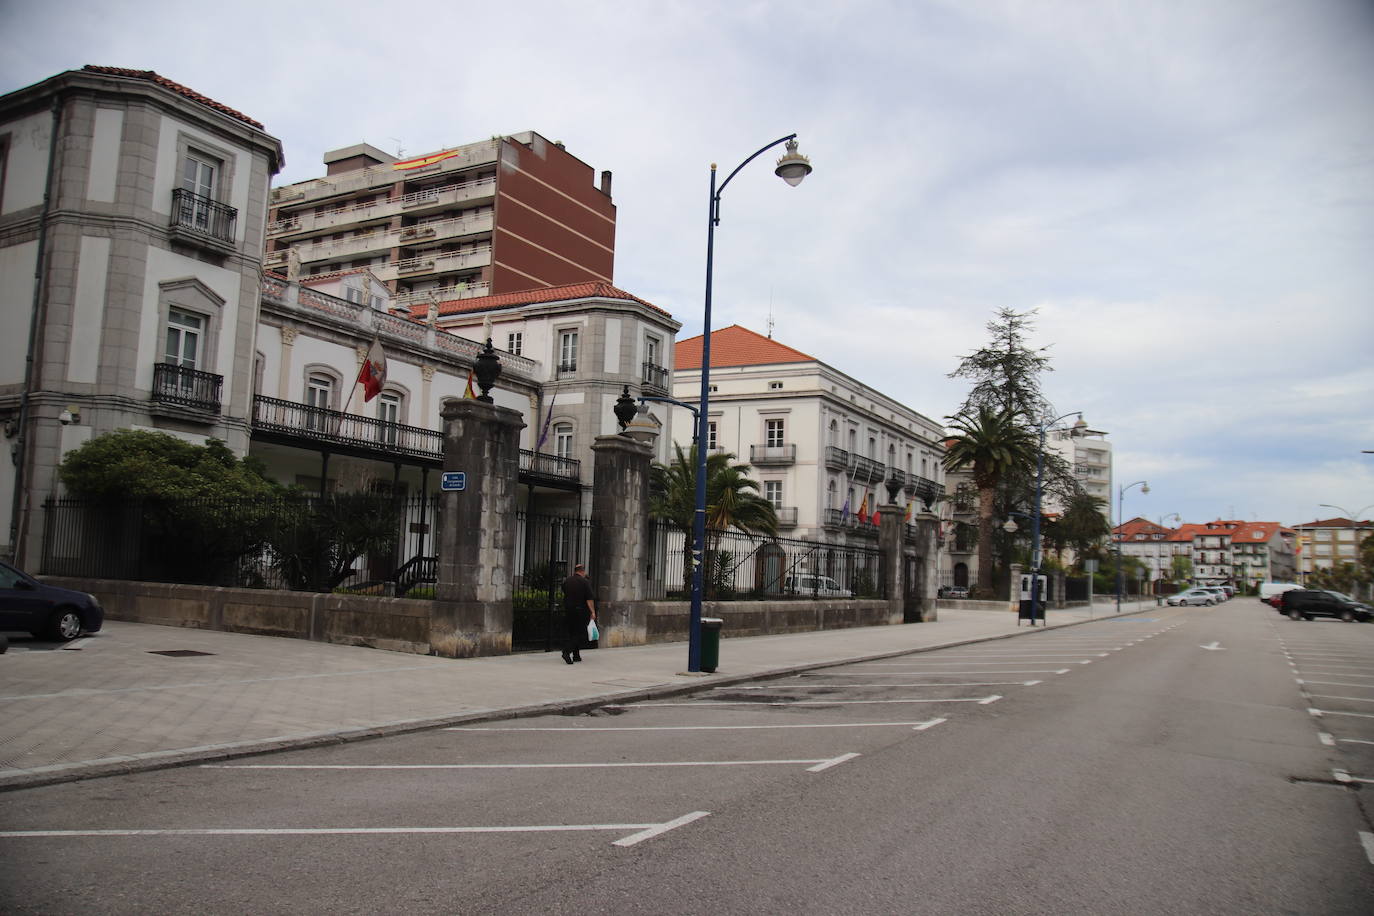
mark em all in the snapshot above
pixel 579 607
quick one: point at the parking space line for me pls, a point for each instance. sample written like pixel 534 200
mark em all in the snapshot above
pixel 911 671
pixel 618 764
pixel 1323 696
pixel 1333 683
pixel 1331 712
pixel 1354 741
pixel 1367 841
pixel 915 726
pixel 709 703
pixel 824 686
pixel 643 831
pixel 832 762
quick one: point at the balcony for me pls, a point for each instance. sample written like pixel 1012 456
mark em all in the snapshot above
pixel 836 458
pixel 187 387
pixel 366 435
pixel 654 378
pixel 772 454
pixel 436 263
pixel 866 470
pixel 566 369
pixel 540 467
pixel 927 491
pixel 202 221
pixel 441 294
pixel 787 516
pixel 383 176
pixel 381 240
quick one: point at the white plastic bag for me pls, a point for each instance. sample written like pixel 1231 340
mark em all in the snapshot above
pixel 593 634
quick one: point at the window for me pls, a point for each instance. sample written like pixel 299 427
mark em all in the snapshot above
pixel 834 433
pixel 772 491
pixel 563 440
pixel 872 447
pixel 389 413
pixel 567 351
pixel 515 342
pixel 775 386
pixel 774 433
pixel 319 397
pixel 651 347
pixel 184 331
pixel 198 173
pixel 830 495
pixel 711 436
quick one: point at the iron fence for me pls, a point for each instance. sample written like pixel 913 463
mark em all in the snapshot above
pixel 367 543
pixel 547 547
pixel 739 566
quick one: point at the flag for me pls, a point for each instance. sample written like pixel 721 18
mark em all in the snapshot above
pixel 548 418
pixel 875 519
pixel 372 376
pixel 863 511
pixel 844 511
pixel 908 510
pixel 469 391
pixel 423 161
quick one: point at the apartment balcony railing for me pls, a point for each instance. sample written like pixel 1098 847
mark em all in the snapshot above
pixel 542 467
pixel 923 489
pixel 321 425
pixel 787 516
pixel 566 369
pixel 381 240
pixel 186 386
pixel 836 458
pixel 772 454
pixel 381 176
pixel 438 263
pixel 198 218
pixel 472 290
pixel 867 470
pixel 655 377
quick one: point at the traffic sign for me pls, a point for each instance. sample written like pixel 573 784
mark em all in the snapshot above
pixel 454 480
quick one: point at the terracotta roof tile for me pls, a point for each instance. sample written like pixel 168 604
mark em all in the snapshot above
pixel 589 290
pixel 179 89
pixel 737 346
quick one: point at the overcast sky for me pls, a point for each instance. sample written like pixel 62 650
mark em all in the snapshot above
pixel 1184 189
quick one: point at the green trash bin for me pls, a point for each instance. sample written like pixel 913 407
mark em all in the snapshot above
pixel 710 643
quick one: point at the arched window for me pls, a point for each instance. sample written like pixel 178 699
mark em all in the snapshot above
pixel 834 433
pixel 830 492
pixel 563 440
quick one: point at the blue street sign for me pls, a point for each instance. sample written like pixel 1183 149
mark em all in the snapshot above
pixel 454 480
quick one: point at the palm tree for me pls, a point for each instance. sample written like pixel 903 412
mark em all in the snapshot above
pixel 732 499
pixel 1083 526
pixel 995 445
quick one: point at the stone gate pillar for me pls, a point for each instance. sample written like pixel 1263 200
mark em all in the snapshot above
pixel 620 505
pixel 472 608
pixel 924 543
pixel 891 539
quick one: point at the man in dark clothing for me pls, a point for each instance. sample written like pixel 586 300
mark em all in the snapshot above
pixel 579 607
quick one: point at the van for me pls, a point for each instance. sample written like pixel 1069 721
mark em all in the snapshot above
pixel 1268 590
pixel 817 586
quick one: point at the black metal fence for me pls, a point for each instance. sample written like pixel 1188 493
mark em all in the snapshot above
pixel 739 566
pixel 547 547
pixel 349 542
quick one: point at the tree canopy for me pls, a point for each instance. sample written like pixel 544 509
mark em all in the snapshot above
pixel 1006 371
pixel 732 499
pixel 131 463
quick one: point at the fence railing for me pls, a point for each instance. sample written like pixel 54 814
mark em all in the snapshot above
pixel 203 215
pixel 344 542
pixel 184 385
pixel 334 426
pixel 740 566
pixel 547 547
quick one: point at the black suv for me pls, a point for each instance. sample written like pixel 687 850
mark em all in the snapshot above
pixel 1306 603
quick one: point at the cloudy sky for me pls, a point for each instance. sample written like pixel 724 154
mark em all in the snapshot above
pixel 1183 189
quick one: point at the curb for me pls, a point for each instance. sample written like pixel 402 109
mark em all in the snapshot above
pixel 163 760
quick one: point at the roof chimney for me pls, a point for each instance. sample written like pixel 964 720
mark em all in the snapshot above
pixel 606 183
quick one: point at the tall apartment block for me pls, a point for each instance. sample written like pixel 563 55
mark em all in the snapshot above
pixel 503 215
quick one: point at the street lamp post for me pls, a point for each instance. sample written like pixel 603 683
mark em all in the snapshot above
pixel 1159 554
pixel 791 168
pixel 1036 609
pixel 1121 520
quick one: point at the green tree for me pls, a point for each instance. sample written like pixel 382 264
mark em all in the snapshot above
pixel 131 463
pixel 1006 372
pixel 1083 526
pixel 1181 568
pixel 732 501
pixel 994 445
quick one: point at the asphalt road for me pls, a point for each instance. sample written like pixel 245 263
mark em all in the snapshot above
pixel 1196 760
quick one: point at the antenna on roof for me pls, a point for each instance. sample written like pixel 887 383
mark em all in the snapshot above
pixel 400 150
pixel 770 314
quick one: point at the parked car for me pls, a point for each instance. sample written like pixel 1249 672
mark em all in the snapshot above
pixel 953 591
pixel 1271 590
pixel 1194 596
pixel 1216 590
pixel 45 610
pixel 822 586
pixel 1230 591
pixel 1306 603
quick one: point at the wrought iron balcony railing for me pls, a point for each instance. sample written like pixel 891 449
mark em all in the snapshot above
pixel 787 516
pixel 187 386
pixel 655 377
pixel 203 216
pixel 541 465
pixel 322 425
pixel 772 454
pixel 836 457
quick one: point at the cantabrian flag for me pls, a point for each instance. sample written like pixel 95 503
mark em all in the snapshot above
pixel 863 511
pixel 908 510
pixel 372 376
pixel 423 161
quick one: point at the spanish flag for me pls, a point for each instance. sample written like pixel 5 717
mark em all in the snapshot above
pixel 863 511
pixel 470 391
pixel 423 161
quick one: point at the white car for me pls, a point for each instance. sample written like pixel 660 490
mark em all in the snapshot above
pixel 818 586
pixel 1198 596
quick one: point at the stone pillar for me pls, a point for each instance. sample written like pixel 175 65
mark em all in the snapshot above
pixel 620 505
pixel 472 608
pixel 1060 584
pixel 927 524
pixel 891 539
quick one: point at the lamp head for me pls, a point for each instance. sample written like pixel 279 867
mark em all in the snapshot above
pixel 1080 427
pixel 1009 525
pixel 1144 488
pixel 793 166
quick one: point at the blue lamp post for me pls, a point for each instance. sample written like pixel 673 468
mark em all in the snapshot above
pixel 791 168
pixel 1076 429
pixel 1121 520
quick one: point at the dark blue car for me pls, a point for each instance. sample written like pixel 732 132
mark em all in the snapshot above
pixel 45 610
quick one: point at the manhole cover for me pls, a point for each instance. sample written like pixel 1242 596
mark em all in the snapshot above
pixel 177 653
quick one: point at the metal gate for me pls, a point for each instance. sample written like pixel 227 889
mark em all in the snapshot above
pixel 546 549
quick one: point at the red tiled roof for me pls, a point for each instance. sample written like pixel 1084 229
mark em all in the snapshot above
pixel 179 89
pixel 737 346
pixel 1256 532
pixel 1139 526
pixel 590 290
pixel 1337 522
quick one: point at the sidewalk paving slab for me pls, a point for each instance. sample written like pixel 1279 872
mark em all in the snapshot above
pixel 139 696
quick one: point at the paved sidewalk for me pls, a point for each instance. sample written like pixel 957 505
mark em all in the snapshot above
pixel 115 702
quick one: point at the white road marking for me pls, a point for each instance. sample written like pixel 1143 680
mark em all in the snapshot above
pixel 1213 647
pixel 644 831
pixel 1354 741
pixel 915 726
pixel 1000 655
pixel 711 703
pixel 1341 775
pixel 1335 684
pixel 1325 738
pixel 1367 841
pixel 619 764
pixel 914 671
pixel 1332 712
pixel 831 685
pixel 656 829
pixel 1333 669
pixel 1323 696
pixel 832 762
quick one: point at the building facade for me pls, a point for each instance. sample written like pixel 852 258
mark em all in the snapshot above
pixel 822 444
pixel 501 215
pixel 1327 543
pixel 132 219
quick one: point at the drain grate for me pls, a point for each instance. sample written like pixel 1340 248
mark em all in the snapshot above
pixel 177 653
